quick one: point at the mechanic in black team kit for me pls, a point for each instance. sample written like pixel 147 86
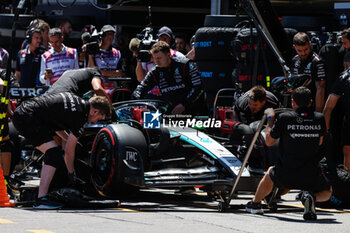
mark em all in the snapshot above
pixel 250 107
pixel 79 82
pixel 308 62
pixel 301 133
pixel 341 89
pixel 64 114
pixel 177 78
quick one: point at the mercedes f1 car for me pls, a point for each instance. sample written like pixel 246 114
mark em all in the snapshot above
pixel 123 155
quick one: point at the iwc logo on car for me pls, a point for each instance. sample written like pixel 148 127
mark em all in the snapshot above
pixel 153 120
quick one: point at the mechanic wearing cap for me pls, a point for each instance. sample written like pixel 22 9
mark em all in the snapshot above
pixel 39 119
pixel 250 107
pixel 301 134
pixel 57 59
pixel 177 78
pixel 309 63
pixel 108 58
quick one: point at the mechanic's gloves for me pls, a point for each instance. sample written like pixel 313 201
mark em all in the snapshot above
pixel 270 113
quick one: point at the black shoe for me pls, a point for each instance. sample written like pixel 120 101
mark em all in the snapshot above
pixel 309 203
pixel 254 208
pixel 43 203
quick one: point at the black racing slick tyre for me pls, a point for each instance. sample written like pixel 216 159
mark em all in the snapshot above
pixel 106 176
pixel 111 166
pixel 215 43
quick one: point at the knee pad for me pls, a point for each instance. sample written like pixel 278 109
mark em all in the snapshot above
pixel 237 126
pixel 54 157
pixel 6 146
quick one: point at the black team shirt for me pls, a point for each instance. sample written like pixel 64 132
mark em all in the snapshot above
pixel 75 81
pixel 63 111
pixel 299 132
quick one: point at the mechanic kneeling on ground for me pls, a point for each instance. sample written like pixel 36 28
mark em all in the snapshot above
pixel 178 80
pixel 64 114
pixel 301 133
pixel 250 107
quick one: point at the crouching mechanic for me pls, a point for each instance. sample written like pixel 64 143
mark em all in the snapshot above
pixel 301 133
pixel 250 107
pixel 64 114
pixel 177 78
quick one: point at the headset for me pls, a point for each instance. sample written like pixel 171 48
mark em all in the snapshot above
pixel 30 32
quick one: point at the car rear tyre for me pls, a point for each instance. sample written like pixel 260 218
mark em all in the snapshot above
pixel 106 175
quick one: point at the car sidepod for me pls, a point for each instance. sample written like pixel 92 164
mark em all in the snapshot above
pixel 220 155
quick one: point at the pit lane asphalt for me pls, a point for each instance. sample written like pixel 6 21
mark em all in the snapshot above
pixel 165 211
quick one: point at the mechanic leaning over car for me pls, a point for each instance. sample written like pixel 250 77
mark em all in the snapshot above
pixel 64 114
pixel 250 107
pixel 79 82
pixel 301 134
pixel 177 78
pixel 308 62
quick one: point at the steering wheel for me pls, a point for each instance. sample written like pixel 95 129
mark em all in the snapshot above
pixel 286 85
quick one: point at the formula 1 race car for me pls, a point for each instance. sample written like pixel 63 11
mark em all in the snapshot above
pixel 123 155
